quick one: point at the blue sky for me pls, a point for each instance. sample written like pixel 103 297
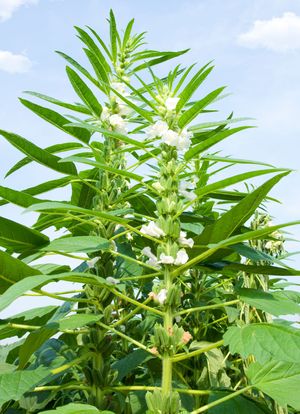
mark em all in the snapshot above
pixel 255 45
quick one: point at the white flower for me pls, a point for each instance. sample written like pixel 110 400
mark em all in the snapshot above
pixel 157 186
pixel 124 109
pixel 119 87
pixel 184 140
pixel 105 114
pixel 162 296
pixel 184 241
pixel 181 257
pixel 91 263
pixel 112 281
pixel 157 130
pixel 118 123
pixel 187 185
pixel 165 259
pixel 269 245
pixel 171 103
pixel 170 137
pixel 152 229
pixel 152 258
pixel 129 236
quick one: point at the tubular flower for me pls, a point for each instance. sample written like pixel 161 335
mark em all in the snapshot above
pixel 184 241
pixel 157 130
pixel 118 123
pixel 152 229
pixel 165 259
pixel 152 258
pixel 171 103
pixel 162 296
pixel 186 337
pixel 184 186
pixel 181 257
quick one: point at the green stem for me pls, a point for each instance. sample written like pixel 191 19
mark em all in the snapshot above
pixel 221 400
pixel 136 303
pixel 203 308
pixel 181 357
pixel 167 359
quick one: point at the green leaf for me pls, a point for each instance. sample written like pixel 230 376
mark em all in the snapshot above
pixel 274 303
pixel 198 107
pixel 238 405
pixel 52 149
pixel 74 107
pixel 84 244
pixel 38 154
pixel 33 342
pixel 279 380
pixel 99 69
pixel 77 321
pixel 266 341
pixel 234 179
pixel 14 384
pixel 126 365
pixel 84 92
pixel 104 167
pixel 32 282
pixel 210 141
pixel 193 85
pixel 12 270
pixel 113 35
pixel 239 214
pixel 77 409
pixel 57 120
pixel 19 238
pixel 69 207
pixel 163 58
pixel 20 198
pixel 79 68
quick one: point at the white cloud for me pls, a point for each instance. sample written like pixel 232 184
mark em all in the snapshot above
pixel 8 7
pixel 12 63
pixel 279 34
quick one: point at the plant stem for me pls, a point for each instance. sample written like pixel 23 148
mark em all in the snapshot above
pixel 167 359
pixel 203 308
pixel 181 357
pixel 221 400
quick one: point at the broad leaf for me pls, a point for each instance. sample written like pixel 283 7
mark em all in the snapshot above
pixel 77 409
pixel 265 341
pixel 13 385
pixel 274 303
pixel 279 380
pixel 238 405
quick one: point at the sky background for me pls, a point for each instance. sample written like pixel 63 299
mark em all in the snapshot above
pixel 255 45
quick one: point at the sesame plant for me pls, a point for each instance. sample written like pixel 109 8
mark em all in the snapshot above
pixel 175 304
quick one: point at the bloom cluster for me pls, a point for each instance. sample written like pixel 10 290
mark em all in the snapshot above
pixel 180 140
pixel 115 113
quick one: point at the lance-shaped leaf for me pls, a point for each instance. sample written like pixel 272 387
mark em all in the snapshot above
pixel 239 214
pixel 12 270
pixel 80 68
pixel 266 341
pixel 213 139
pixel 77 321
pixel 198 107
pixel 19 198
pixel 19 238
pixel 52 149
pixel 57 120
pixel 275 303
pixel 193 85
pixel 84 244
pixel 84 92
pixel 77 409
pixel 111 216
pixel 74 107
pixel 38 154
pixel 164 56
pixel 279 380
pixel 32 282
pixel 15 384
